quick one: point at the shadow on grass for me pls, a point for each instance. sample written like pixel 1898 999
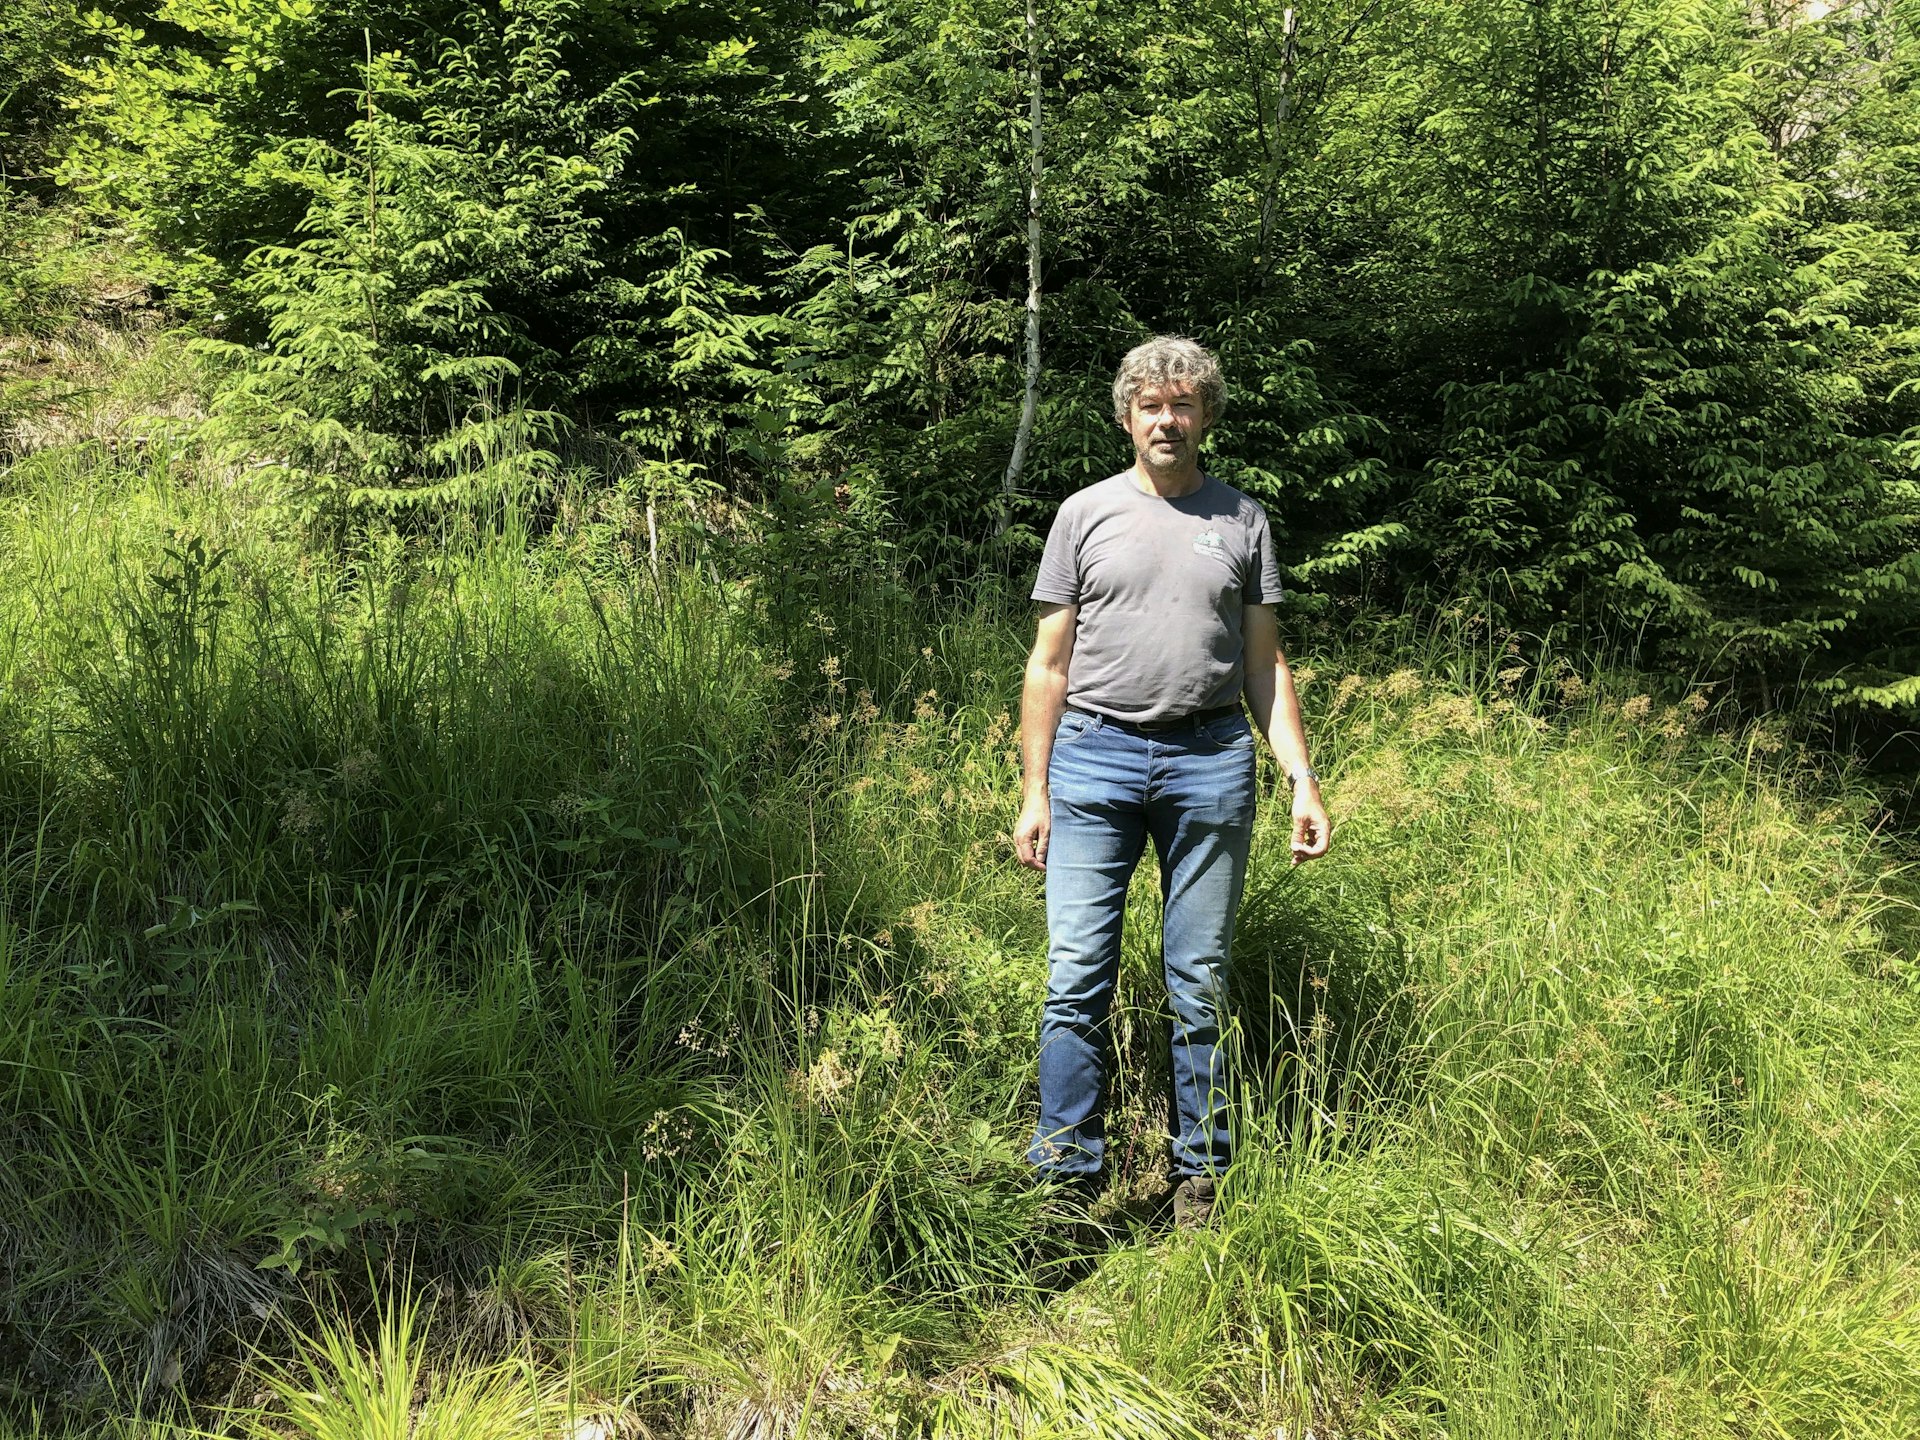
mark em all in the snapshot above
pixel 1321 1025
pixel 1321 994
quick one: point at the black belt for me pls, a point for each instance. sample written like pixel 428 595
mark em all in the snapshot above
pixel 1161 727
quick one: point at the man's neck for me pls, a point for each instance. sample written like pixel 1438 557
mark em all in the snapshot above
pixel 1169 484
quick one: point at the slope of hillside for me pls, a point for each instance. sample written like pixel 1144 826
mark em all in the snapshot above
pixel 473 977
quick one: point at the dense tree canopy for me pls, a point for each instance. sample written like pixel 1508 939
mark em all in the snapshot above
pixel 1601 311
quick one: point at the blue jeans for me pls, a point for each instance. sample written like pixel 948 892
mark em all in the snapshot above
pixel 1192 792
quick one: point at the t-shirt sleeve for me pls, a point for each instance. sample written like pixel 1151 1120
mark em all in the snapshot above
pixel 1263 564
pixel 1058 582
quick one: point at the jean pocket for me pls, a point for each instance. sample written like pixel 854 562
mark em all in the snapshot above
pixel 1229 732
pixel 1073 724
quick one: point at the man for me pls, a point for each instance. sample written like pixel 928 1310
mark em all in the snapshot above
pixel 1156 595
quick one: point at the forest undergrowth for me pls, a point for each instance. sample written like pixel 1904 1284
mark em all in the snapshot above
pixel 482 979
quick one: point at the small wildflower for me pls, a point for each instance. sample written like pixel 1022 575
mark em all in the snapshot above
pixel 1636 710
pixel 1511 677
pixel 1401 683
pixel 1572 686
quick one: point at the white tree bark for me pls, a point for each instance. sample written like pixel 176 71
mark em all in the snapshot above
pixel 1024 435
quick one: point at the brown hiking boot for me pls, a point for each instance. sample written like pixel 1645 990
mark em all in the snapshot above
pixel 1193 1201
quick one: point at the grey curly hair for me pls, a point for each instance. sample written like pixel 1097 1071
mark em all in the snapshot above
pixel 1169 360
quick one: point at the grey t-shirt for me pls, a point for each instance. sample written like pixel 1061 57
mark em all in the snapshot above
pixel 1159 585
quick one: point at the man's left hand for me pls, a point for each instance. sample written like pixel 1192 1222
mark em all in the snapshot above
pixel 1311 832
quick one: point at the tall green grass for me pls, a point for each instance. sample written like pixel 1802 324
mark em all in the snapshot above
pixel 477 981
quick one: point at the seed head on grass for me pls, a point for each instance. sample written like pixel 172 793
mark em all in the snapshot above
pixel 1402 684
pixel 823 1082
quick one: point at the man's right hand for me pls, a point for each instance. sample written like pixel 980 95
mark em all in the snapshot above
pixel 1032 830
pixel 1043 695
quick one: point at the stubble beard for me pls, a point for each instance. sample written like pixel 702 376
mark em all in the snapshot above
pixel 1170 458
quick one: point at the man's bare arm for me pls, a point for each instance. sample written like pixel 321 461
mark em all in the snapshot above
pixel 1275 706
pixel 1042 698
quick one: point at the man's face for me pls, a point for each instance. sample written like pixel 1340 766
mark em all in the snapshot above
pixel 1165 423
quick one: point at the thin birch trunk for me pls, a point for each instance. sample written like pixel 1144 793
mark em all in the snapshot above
pixel 1270 139
pixel 1024 435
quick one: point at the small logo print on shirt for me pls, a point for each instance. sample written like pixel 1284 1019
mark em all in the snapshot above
pixel 1208 542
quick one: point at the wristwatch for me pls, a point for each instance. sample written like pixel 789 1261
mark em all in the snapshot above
pixel 1305 772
